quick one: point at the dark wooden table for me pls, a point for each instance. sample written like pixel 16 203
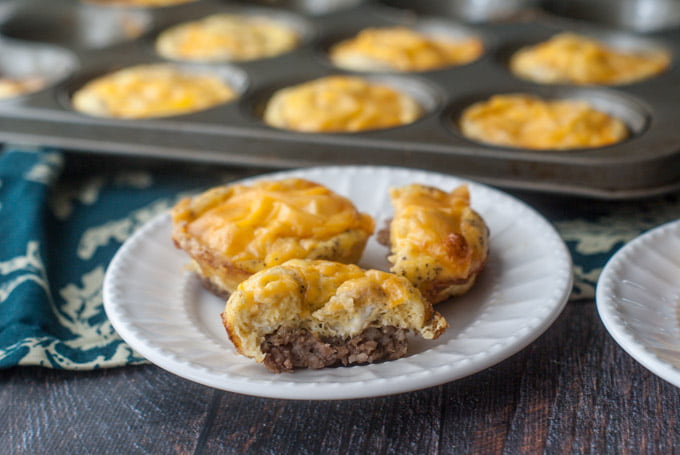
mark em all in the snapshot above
pixel 573 391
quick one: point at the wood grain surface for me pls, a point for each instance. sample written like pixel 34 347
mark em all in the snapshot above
pixel 573 391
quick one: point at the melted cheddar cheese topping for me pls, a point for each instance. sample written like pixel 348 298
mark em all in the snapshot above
pixel 251 227
pixel 529 122
pixel 222 37
pixel 575 59
pixel 263 220
pixel 437 239
pixel 157 90
pixel 340 104
pixel 327 298
pixel 403 49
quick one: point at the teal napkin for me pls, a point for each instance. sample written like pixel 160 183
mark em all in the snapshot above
pixel 58 234
pixel 59 229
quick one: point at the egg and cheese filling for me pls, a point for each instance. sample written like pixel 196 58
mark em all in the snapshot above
pixel 236 230
pixel 529 122
pixel 327 299
pixel 340 104
pixel 274 221
pixel 222 37
pixel 403 49
pixel 576 59
pixel 438 242
pixel 157 90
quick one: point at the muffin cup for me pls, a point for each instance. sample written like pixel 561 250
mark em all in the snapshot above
pixel 637 15
pixel 78 26
pixel 122 4
pixel 425 25
pixel 630 111
pixel 619 40
pixel 234 77
pixel 312 7
pixel 475 11
pixel 47 65
pixel 304 28
pixel 428 97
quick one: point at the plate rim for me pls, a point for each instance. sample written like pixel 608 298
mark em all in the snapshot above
pixel 613 320
pixel 332 391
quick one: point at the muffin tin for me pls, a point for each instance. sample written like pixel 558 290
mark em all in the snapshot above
pixel 76 42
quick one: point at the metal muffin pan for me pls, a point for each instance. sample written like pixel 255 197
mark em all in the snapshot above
pixel 647 163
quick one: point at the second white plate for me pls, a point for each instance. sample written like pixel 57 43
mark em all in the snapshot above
pixel 638 297
pixel 163 312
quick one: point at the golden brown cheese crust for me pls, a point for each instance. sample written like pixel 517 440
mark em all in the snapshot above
pixel 569 58
pixel 227 37
pixel 340 104
pixel 233 231
pixel 526 121
pixel 403 49
pixel 326 298
pixel 438 242
pixel 155 90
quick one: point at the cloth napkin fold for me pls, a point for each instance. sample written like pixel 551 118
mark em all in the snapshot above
pixel 58 235
pixel 59 231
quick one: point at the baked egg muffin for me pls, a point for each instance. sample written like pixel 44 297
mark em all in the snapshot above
pixel 315 313
pixel 525 121
pixel 437 241
pixel 340 104
pixel 233 231
pixel 227 37
pixel 403 49
pixel 154 90
pixel 569 58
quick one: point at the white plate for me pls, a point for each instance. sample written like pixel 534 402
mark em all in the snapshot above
pixel 164 313
pixel 637 296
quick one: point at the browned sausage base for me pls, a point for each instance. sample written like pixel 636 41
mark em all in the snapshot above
pixel 291 348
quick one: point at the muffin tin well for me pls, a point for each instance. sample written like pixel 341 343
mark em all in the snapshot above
pixel 44 63
pixel 428 96
pixel 631 112
pixel 638 15
pixel 75 25
pixel 85 41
